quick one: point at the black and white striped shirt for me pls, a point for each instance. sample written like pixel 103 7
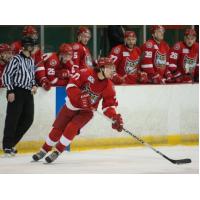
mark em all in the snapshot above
pixel 20 72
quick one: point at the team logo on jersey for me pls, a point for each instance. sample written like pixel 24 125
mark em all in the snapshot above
pixel 91 79
pixel 160 59
pixel 189 64
pixel 88 60
pixel 75 47
pixel 131 66
pixel 177 47
pixel 53 63
pixel 149 45
pixel 116 50
pixel 94 97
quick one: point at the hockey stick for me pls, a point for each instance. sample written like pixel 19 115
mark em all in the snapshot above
pixel 178 162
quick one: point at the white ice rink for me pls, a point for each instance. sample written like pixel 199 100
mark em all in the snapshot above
pixel 113 161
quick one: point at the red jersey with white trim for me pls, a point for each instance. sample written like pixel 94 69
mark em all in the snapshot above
pixel 81 55
pixel 154 57
pixel 126 60
pixel 52 65
pixel 86 80
pixel 184 60
pixel 127 64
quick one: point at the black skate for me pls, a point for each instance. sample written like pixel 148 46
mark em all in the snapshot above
pixel 9 152
pixel 39 155
pixel 53 156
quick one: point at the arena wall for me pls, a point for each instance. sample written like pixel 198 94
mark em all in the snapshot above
pixel 162 115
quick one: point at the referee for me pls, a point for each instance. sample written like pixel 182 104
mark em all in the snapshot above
pixel 19 79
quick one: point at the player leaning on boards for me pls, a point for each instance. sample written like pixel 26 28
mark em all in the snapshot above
pixel 85 90
pixel 19 79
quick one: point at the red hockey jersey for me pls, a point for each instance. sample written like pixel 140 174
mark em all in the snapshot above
pixel 154 60
pixel 81 56
pixel 126 62
pixel 184 61
pixel 52 66
pixel 86 80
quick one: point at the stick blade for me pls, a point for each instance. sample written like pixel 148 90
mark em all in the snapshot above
pixel 182 161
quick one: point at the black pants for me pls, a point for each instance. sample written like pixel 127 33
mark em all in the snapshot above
pixel 19 117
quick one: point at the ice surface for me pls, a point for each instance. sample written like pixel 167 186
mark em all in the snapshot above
pixel 113 161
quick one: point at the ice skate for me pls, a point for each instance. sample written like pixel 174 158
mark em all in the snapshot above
pixel 53 156
pixel 9 152
pixel 39 155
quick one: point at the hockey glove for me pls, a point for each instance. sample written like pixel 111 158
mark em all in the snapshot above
pixel 117 122
pixel 143 78
pixel 46 84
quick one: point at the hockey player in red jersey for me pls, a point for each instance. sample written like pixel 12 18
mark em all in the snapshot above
pixel 126 59
pixel 59 66
pixel 184 58
pixel 154 60
pixel 37 55
pixel 82 56
pixel 5 56
pixel 84 92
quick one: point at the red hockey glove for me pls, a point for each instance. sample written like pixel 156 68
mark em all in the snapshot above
pixel 62 74
pixel 117 122
pixel 117 80
pixel 46 84
pixel 143 78
pixel 85 101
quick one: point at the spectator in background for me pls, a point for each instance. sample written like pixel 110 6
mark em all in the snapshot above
pixel 154 60
pixel 116 35
pixel 19 79
pixel 5 56
pixel 126 59
pixel 36 54
pixel 184 59
pixel 59 66
pixel 82 56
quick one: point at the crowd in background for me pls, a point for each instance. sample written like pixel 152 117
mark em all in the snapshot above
pixel 152 63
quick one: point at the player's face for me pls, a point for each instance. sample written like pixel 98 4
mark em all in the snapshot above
pixel 65 57
pixel 159 34
pixel 130 42
pixel 84 38
pixel 109 71
pixel 189 40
